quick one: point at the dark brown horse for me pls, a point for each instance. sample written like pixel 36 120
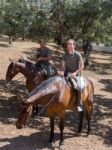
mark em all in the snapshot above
pixel 56 94
pixel 33 73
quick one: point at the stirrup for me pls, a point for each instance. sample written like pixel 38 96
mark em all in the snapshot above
pixel 79 109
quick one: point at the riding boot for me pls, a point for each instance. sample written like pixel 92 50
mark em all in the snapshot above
pixel 79 101
pixel 49 71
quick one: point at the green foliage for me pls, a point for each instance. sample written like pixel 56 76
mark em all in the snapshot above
pixel 81 19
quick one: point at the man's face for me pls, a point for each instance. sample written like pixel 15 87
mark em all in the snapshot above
pixel 70 46
pixel 42 44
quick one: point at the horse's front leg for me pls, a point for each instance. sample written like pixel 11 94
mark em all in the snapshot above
pixel 88 117
pixel 35 110
pixel 61 127
pixel 51 138
pixel 80 122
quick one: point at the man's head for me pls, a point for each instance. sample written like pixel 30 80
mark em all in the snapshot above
pixel 42 43
pixel 71 45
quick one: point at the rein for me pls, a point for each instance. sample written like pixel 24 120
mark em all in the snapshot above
pixel 7 89
pixel 22 78
pixel 43 109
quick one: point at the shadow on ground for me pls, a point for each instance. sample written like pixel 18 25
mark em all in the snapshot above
pixel 107 84
pixel 4 45
pixel 102 110
pixel 100 124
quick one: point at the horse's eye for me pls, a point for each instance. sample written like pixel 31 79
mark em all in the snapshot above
pixel 24 110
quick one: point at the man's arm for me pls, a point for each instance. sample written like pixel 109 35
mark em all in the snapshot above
pixel 81 67
pixel 26 58
pixel 61 73
pixel 44 58
pixel 47 57
pixel 63 66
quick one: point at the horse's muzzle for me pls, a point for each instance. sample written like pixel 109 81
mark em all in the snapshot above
pixel 19 126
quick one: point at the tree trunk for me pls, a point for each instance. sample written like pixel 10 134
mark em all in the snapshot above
pixel 10 40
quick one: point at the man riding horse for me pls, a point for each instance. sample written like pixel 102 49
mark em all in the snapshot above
pixel 34 73
pixel 43 57
pixel 55 94
pixel 72 64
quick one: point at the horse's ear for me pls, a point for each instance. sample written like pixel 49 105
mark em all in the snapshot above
pixel 10 60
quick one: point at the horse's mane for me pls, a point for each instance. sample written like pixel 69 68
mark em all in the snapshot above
pixel 28 63
pixel 30 66
pixel 46 83
pixel 34 68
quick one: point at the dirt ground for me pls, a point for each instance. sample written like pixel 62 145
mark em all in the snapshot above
pixel 36 136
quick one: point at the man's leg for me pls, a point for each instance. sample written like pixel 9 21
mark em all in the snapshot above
pixel 78 93
pixel 48 70
pixel 80 85
pixel 79 101
pixel 84 51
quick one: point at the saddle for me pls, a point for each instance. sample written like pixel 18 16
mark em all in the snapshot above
pixel 48 70
pixel 71 82
pixel 74 82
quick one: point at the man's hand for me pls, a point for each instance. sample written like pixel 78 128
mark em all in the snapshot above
pixel 73 74
pixel 61 73
pixel 40 58
pixel 24 57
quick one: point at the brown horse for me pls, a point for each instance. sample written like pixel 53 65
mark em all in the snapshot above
pixel 56 94
pixel 33 73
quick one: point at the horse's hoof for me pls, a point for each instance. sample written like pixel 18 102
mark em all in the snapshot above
pixel 50 146
pixel 78 133
pixel 61 145
pixel 88 134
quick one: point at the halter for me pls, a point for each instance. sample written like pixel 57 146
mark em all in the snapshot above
pixel 43 109
pixel 22 78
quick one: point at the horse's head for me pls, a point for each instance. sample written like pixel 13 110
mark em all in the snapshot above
pixel 24 112
pixel 11 71
pixel 21 60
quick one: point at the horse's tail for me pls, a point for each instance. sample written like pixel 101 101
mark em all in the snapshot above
pixel 92 86
pixel 91 94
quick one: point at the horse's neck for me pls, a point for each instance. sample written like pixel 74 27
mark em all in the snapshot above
pixel 22 69
pixel 50 87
